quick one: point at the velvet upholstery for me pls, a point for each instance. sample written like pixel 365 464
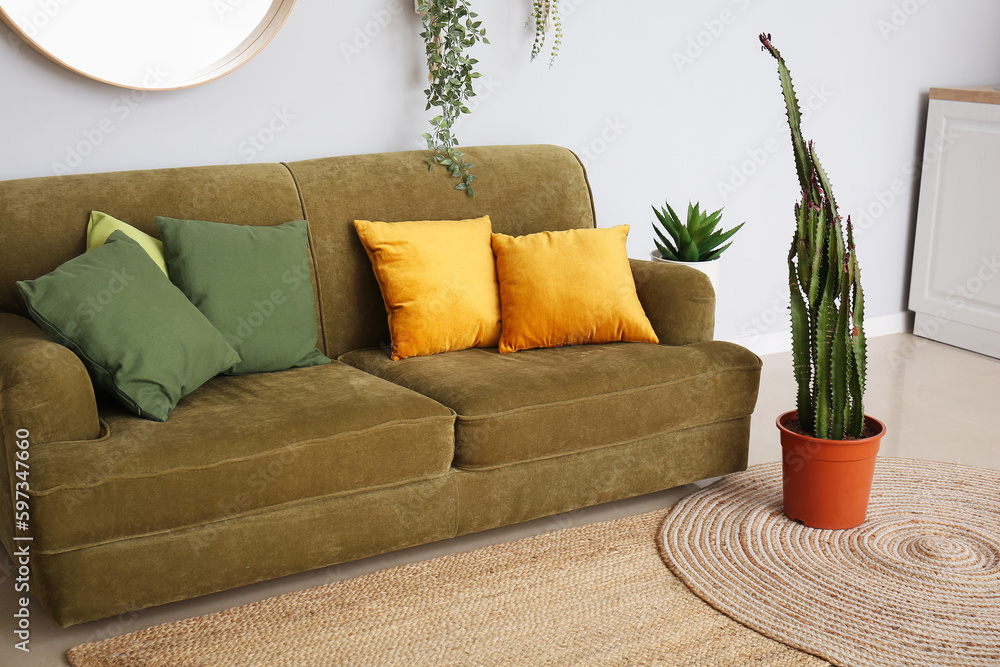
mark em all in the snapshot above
pixel 45 218
pixel 263 475
pixel 523 189
pixel 679 301
pixel 531 489
pixel 581 397
pixel 100 580
pixel 240 444
pixel 45 388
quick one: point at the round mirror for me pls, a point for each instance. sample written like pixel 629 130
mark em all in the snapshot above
pixel 159 45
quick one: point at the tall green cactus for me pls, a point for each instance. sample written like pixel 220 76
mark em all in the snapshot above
pixel 827 303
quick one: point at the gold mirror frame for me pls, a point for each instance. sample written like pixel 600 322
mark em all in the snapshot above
pixel 251 45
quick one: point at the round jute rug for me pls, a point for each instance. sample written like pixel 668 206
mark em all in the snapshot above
pixel 917 584
pixel 592 595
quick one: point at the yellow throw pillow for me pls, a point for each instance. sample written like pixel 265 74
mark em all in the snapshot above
pixel 568 288
pixel 101 225
pixel 438 281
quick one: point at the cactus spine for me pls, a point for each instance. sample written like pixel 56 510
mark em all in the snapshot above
pixel 827 303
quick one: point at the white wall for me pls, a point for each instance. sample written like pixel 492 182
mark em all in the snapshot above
pixel 662 98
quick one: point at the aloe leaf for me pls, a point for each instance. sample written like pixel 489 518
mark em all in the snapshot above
pixel 672 224
pixel 660 235
pixel 720 237
pixel 698 233
pixel 669 220
pixel 709 247
pixel 673 215
pixel 672 228
pixel 705 227
pixel 689 253
pixel 666 252
pixel 687 249
pixel 696 239
pixel 702 226
pixel 715 254
pixel 661 217
pixel 665 243
pixel 711 221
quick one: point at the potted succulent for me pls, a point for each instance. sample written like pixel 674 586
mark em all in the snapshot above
pixel 695 243
pixel 829 445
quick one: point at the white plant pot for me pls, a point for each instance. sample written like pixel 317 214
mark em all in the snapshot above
pixel 710 269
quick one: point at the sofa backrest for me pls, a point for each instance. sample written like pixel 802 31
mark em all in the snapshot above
pixel 43 221
pixel 523 189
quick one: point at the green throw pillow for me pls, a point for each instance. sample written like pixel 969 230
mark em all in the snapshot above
pixel 137 334
pixel 253 284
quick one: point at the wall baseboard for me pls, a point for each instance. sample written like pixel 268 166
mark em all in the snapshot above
pixel 781 341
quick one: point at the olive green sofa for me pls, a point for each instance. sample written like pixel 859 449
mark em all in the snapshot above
pixel 259 476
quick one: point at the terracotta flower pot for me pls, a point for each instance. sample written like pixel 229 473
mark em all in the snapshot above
pixel 826 483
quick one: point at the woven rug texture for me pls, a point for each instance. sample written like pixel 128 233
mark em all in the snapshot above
pixel 917 584
pixel 593 595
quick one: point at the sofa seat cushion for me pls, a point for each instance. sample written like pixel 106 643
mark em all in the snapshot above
pixel 536 404
pixel 236 446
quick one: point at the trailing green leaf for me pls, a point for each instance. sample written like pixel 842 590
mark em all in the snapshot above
pixel 545 16
pixel 827 302
pixel 449 28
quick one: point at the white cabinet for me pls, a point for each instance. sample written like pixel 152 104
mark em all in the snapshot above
pixel 955 284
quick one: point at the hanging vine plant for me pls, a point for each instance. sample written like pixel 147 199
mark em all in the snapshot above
pixel 450 29
pixel 545 14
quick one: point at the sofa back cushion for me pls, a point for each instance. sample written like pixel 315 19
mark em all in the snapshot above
pixel 524 189
pixel 43 221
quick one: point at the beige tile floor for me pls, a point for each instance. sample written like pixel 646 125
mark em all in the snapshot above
pixel 939 403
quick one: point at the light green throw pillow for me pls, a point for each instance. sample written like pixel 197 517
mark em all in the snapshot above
pixel 137 334
pixel 253 284
pixel 101 225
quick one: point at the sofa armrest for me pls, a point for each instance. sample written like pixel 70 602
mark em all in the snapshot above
pixel 679 301
pixel 44 387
